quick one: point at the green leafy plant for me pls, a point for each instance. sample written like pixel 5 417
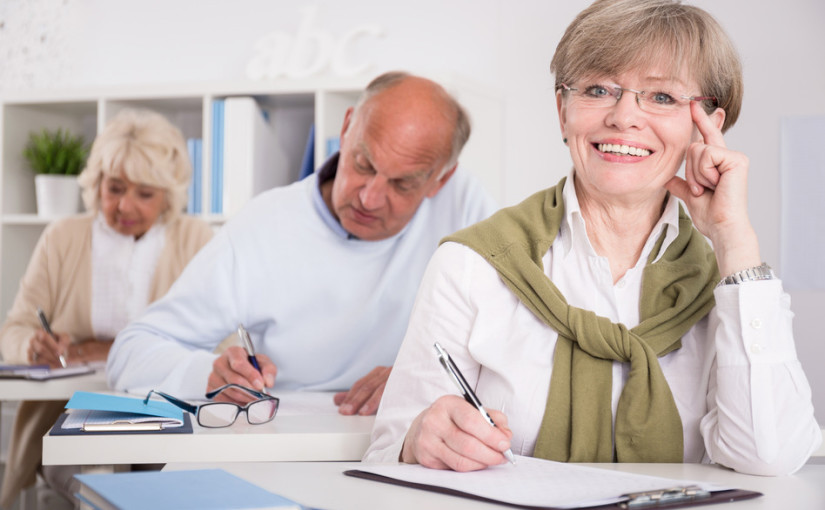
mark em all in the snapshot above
pixel 56 152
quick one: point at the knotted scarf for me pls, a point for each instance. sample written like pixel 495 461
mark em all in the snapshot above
pixel 677 291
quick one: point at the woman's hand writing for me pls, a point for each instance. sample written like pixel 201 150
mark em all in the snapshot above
pixel 452 434
pixel 45 350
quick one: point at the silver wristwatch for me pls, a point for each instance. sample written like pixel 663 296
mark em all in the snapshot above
pixel 761 272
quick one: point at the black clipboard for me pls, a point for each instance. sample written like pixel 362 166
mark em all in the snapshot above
pixel 58 430
pixel 715 497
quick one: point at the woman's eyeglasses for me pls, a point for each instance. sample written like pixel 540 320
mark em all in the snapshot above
pixel 224 414
pixel 656 102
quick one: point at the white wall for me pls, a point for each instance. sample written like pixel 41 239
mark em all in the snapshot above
pixel 503 45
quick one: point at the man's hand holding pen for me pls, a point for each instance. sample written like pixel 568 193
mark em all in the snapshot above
pixel 233 366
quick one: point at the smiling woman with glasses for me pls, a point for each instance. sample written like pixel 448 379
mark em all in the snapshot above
pixel 223 414
pixel 595 313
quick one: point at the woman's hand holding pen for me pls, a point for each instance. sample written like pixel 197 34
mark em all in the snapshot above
pixel 451 434
pixel 44 349
pixel 233 366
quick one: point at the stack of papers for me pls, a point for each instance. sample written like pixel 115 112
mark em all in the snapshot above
pixel 94 412
pixel 41 372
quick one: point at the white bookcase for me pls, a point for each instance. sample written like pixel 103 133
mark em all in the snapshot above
pixel 292 106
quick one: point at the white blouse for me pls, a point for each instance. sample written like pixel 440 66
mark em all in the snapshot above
pixel 122 272
pixel 739 388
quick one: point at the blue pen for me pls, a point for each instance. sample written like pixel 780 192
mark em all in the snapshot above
pixel 247 344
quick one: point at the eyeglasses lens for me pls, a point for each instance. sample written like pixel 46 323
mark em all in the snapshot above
pixel 217 414
pixel 261 411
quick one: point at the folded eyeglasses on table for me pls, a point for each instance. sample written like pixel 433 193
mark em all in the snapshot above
pixel 224 414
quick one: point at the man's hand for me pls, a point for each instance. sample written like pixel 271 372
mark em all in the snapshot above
pixel 365 395
pixel 451 434
pixel 233 366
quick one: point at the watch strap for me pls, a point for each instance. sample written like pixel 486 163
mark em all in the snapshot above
pixel 760 272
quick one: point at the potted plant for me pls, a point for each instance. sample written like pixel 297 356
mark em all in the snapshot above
pixel 56 157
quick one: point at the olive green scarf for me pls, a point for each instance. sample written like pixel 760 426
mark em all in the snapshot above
pixel 677 291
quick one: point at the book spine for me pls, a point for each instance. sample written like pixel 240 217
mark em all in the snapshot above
pixel 217 156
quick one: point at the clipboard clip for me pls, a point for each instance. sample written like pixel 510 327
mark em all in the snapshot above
pixel 664 497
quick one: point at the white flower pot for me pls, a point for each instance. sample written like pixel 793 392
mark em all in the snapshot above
pixel 57 195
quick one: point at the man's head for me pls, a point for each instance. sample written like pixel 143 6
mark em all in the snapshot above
pixel 399 145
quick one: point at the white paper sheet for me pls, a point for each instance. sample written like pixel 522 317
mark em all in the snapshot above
pixel 537 482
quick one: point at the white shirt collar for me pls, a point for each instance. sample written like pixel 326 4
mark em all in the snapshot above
pixel 574 232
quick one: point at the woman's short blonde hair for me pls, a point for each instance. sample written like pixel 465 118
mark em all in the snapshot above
pixel 145 148
pixel 615 36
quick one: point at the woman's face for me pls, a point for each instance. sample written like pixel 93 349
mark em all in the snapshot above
pixel 656 142
pixel 130 208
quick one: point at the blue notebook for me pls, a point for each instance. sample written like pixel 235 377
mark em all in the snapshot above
pixel 179 490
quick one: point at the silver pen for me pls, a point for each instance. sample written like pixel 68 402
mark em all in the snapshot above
pixel 45 323
pixel 247 345
pixel 467 392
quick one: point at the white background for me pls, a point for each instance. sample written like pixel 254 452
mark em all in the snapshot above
pixel 505 46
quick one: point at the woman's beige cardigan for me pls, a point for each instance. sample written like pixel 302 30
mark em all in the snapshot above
pixel 59 279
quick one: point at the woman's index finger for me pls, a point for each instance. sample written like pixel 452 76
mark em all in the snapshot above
pixel 711 133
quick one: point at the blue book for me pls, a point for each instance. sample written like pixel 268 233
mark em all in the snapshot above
pixel 192 149
pixel 197 175
pixel 202 489
pixel 216 206
pixel 308 163
pixel 333 145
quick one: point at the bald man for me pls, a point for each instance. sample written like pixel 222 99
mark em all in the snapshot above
pixel 323 272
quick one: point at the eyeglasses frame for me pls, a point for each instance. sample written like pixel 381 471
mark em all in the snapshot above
pixel 638 93
pixel 195 409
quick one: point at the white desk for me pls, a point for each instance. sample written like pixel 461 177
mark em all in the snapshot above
pixel 322 485
pixel 54 389
pixel 307 428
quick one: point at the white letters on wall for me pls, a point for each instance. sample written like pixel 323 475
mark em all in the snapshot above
pixel 308 52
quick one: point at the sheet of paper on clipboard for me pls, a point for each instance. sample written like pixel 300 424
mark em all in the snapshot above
pixel 42 372
pixel 541 484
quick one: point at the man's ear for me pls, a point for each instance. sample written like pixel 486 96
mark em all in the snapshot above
pixel 347 120
pixel 441 182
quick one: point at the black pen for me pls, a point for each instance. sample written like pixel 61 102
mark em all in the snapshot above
pixel 469 395
pixel 48 329
pixel 250 349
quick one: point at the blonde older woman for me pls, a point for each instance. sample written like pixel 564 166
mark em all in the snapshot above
pixel 92 273
pixel 591 319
